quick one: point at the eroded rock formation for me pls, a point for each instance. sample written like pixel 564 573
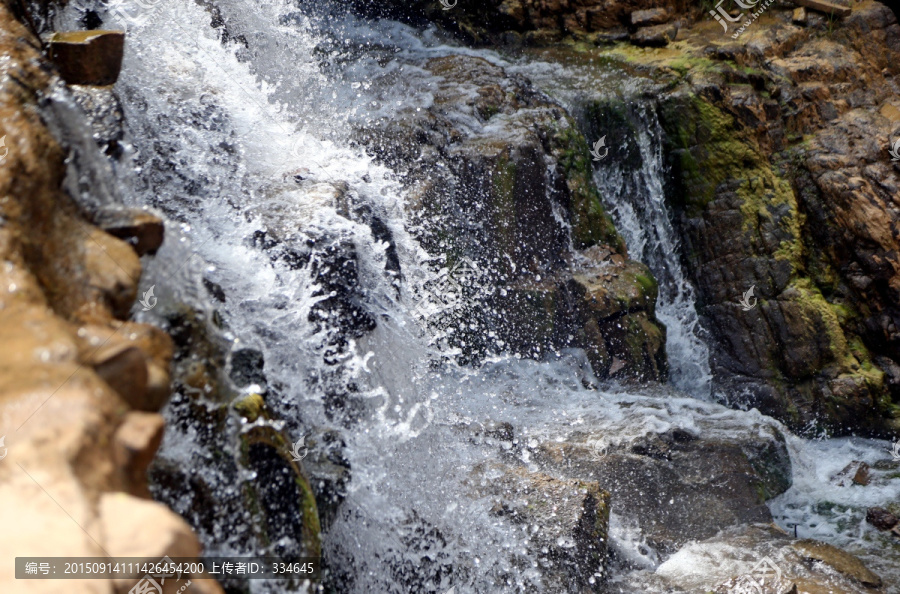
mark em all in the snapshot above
pixel 75 374
pixel 500 175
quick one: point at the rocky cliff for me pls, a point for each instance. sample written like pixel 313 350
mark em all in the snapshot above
pixel 780 181
pixel 81 384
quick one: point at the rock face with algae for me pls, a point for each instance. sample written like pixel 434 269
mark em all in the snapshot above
pixel 501 177
pixel 780 180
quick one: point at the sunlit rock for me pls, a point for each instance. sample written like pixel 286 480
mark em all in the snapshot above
pixel 88 57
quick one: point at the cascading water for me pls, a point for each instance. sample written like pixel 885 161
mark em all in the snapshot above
pixel 631 182
pixel 636 199
pixel 238 117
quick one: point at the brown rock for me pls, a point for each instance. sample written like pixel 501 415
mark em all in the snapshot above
pixel 146 529
pixel 124 368
pixel 135 442
pixel 141 230
pixel 881 518
pixel 62 281
pixel 677 487
pixel 113 268
pixel 830 8
pixel 618 287
pixel 798 17
pixel 856 473
pixel 891 112
pixel 98 343
pixel 842 561
pixel 88 57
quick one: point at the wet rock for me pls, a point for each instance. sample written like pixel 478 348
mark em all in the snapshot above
pixel 142 230
pixel 247 368
pixel 655 36
pixel 760 558
pixel 494 170
pixel 676 486
pixel 881 518
pixel 811 239
pixel 329 473
pixel 104 112
pixel 287 515
pixel 502 431
pixel 251 495
pixel 567 521
pixel 540 21
pixel 841 561
pixel 215 290
pixel 88 57
pixel 856 473
pixel 342 311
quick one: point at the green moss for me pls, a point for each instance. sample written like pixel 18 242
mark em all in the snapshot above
pixel 251 407
pixel 489 111
pixel 649 286
pixel 818 306
pixel 312 539
pixel 709 151
pixel 590 222
pixel 306 502
pixel 684 64
pixel 504 188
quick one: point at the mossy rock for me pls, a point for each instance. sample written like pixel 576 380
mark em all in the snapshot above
pixel 591 224
pixel 279 495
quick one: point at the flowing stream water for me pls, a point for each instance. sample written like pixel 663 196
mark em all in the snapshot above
pixel 237 131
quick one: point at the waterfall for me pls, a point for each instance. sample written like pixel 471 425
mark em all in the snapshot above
pixel 237 130
pixel 635 197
